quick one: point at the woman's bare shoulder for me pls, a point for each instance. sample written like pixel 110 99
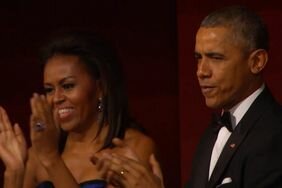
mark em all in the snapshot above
pixel 136 136
pixel 141 143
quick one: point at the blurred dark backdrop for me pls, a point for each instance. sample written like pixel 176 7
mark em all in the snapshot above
pixel 144 33
pixel 155 42
pixel 194 115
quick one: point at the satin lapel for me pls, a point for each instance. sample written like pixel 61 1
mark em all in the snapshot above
pixel 238 135
pixel 202 161
pixel 229 149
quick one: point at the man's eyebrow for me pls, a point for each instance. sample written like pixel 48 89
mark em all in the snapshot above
pixel 214 54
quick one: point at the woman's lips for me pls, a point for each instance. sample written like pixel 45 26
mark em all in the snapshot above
pixel 65 113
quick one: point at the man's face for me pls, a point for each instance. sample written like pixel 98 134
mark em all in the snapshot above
pixel 223 67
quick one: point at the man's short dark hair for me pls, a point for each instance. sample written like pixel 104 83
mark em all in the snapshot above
pixel 247 26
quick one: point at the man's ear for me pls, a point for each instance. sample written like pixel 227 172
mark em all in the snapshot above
pixel 258 60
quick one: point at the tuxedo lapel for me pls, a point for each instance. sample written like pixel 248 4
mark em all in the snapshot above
pixel 238 136
pixel 202 161
pixel 228 151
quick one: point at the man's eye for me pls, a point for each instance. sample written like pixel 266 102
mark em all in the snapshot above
pixel 197 56
pixel 218 57
pixel 68 86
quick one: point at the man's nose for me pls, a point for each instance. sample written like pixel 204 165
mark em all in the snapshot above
pixel 203 69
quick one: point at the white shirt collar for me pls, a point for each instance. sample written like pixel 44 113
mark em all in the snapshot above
pixel 238 111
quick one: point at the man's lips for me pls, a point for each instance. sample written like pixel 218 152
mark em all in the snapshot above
pixel 207 89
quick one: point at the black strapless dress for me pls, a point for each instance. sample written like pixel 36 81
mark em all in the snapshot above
pixel 86 184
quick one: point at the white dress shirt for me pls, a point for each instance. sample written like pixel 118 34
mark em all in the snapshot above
pixel 237 112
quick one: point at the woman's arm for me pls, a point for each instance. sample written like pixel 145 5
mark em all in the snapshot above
pixel 13 179
pixel 45 140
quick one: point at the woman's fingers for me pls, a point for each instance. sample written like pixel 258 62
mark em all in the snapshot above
pixel 5 122
pixel 6 130
pixel 156 168
pixel 33 104
pixel 42 113
pixel 35 117
pixel 118 142
pixel 1 120
pixel 43 131
pixel 19 135
pixel 126 172
pixel 13 149
pixel 136 173
pixel 109 168
pixel 122 167
pixel 124 149
pixel 37 107
pixel 120 173
pixel 129 169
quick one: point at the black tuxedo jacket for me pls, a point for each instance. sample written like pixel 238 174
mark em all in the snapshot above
pixel 252 156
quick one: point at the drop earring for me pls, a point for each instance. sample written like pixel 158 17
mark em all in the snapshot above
pixel 100 105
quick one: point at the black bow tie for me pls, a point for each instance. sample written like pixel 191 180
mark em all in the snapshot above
pixel 221 121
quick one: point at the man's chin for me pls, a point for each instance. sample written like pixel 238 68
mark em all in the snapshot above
pixel 212 104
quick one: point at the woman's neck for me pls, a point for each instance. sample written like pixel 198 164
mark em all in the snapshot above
pixel 82 141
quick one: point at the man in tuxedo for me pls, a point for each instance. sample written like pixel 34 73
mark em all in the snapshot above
pixel 244 148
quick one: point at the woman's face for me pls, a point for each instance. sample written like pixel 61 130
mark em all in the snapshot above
pixel 71 91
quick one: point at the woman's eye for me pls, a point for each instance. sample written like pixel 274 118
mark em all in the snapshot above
pixel 68 86
pixel 48 90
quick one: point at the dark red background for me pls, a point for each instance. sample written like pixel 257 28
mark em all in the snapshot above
pixel 194 116
pixel 155 40
pixel 145 35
